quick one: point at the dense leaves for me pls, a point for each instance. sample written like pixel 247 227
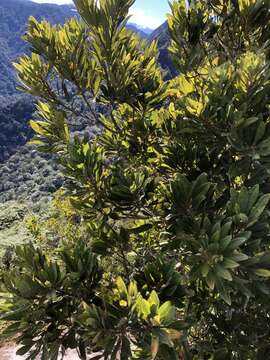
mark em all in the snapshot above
pixel 21 168
pixel 14 115
pixel 14 15
pixel 173 196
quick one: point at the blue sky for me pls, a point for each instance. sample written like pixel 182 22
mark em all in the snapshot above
pixel 147 13
pixel 151 11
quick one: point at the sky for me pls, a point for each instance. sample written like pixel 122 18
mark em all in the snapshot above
pixel 146 13
pixel 150 12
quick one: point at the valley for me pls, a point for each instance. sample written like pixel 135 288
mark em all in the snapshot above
pixel 25 174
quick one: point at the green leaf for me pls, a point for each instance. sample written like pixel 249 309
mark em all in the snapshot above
pixel 223 291
pixel 17 314
pixel 225 242
pixel 253 196
pixel 167 313
pixel 121 286
pixel 54 351
pixel 263 273
pixel 222 272
pixel 40 127
pixel 153 299
pixel 205 268
pixel 238 257
pixel 211 280
pixel 143 307
pixel 229 263
pixel 235 243
pixel 24 350
pixel 258 209
pixel 225 229
pixel 12 329
pixel 141 229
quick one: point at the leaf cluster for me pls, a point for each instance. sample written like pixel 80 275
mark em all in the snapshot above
pixel 174 190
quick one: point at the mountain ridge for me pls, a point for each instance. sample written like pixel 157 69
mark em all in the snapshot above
pixel 14 15
pixel 145 29
pixel 22 170
pixel 161 35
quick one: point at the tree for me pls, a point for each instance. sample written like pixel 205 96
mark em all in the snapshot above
pixel 174 191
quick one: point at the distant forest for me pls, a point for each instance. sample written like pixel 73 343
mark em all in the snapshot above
pixel 23 169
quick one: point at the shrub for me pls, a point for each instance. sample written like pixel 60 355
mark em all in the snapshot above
pixel 174 191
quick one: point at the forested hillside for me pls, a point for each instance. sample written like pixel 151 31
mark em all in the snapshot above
pixel 158 247
pixel 14 15
pixel 161 34
pixel 15 113
pixel 22 170
pixel 13 23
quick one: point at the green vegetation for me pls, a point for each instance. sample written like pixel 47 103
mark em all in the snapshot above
pixel 164 249
pixel 29 176
pixel 161 35
pixel 22 170
pixel 14 15
pixel 12 228
pixel 15 112
pixel 24 174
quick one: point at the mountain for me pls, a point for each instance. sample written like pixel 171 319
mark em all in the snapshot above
pixel 15 112
pixel 13 21
pixel 144 30
pixel 137 30
pixel 161 34
pixel 25 173
pixel 22 170
pixel 16 108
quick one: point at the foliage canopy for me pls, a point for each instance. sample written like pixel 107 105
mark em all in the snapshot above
pixel 174 192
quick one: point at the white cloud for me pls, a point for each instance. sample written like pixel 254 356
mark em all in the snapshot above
pixel 141 18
